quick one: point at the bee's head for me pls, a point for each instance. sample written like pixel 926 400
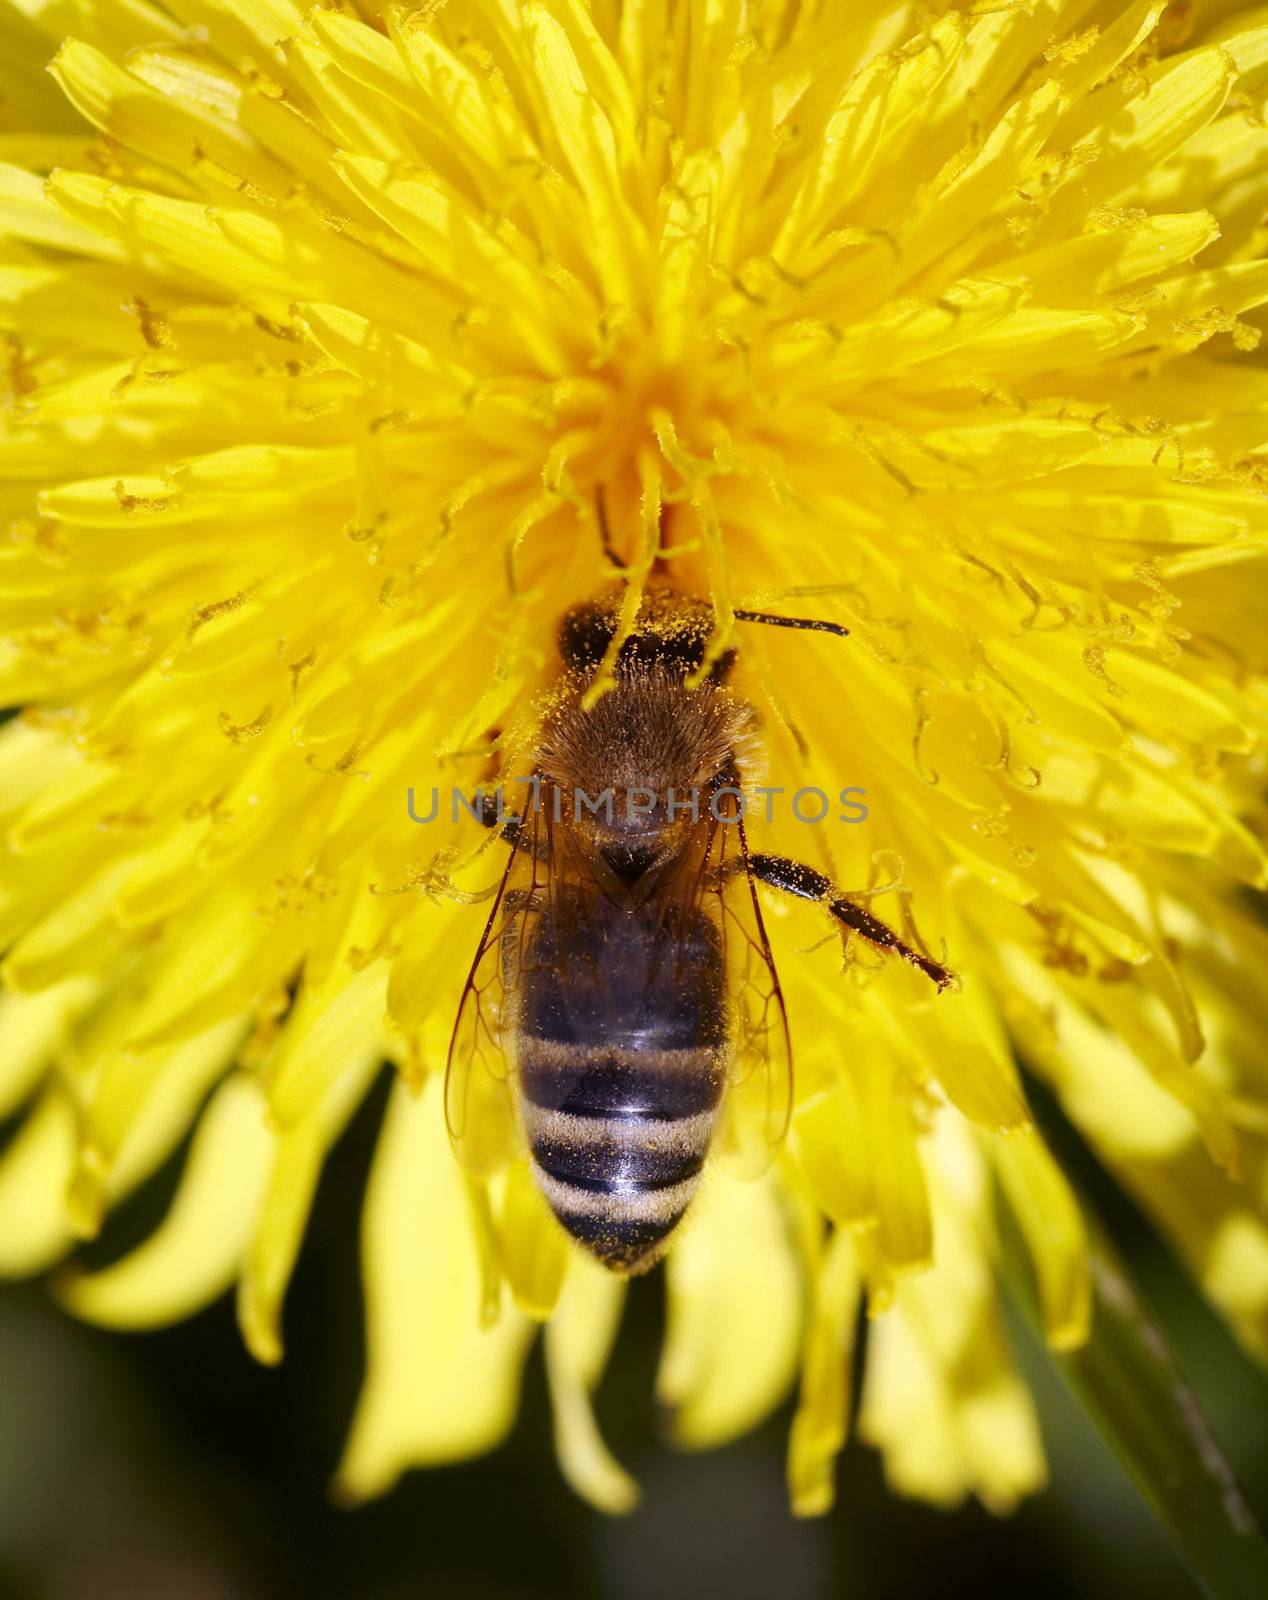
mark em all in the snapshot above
pixel 672 634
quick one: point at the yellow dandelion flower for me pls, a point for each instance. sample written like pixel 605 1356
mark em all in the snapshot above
pixel 334 334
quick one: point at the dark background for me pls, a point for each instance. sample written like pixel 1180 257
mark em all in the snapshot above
pixel 170 1467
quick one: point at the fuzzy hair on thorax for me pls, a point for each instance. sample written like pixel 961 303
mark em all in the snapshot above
pixel 647 732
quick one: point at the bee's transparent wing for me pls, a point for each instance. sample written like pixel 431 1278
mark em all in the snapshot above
pixel 479 1105
pixel 759 1096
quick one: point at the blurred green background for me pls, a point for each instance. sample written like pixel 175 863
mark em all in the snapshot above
pixel 170 1466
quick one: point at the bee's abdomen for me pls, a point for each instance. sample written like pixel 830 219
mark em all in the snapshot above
pixel 618 1140
pixel 621 1077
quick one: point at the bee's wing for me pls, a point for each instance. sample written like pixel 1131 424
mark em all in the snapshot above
pixel 479 1108
pixel 759 1099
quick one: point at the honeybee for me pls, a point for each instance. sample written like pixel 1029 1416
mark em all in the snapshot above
pixel 623 1015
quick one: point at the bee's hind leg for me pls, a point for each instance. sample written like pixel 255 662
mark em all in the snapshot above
pixel 795 878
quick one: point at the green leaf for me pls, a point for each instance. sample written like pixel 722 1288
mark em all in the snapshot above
pixel 1129 1383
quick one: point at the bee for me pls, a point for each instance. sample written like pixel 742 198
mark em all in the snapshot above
pixel 623 1016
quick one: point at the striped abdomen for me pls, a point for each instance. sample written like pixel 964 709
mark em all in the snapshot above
pixel 620 1029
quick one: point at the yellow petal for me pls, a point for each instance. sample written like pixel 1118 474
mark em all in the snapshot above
pixel 196 1251
pixel 298 1154
pixel 328 1033
pixel 587 143
pixel 136 1107
pixel 1049 1215
pixel 941 1396
pixel 35 1223
pixel 579 1340
pixel 534 1246
pixel 438 1386
pixel 822 1416
pixel 735 1312
pixel 31 1030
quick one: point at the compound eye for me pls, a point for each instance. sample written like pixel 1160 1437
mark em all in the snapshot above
pixel 585 634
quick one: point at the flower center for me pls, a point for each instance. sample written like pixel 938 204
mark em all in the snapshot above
pixel 644 416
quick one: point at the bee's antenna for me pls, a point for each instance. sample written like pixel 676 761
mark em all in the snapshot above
pixel 814 624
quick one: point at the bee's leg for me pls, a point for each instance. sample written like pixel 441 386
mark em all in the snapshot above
pixel 511 828
pixel 489 815
pixel 795 878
